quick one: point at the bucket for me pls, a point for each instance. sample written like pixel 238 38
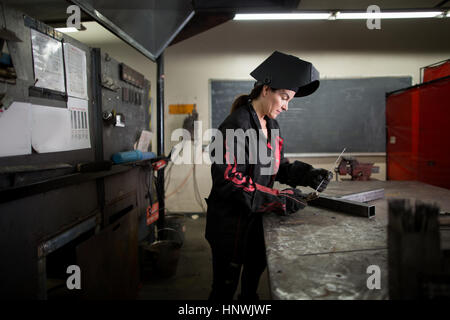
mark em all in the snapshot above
pixel 176 222
pixel 165 254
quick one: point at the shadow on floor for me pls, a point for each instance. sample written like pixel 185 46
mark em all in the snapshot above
pixel 192 280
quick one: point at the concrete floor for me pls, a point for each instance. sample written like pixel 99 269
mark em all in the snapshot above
pixel 193 278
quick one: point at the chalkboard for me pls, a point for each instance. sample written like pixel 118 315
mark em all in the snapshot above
pixel 342 113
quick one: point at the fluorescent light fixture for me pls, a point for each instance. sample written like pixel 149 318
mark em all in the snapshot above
pixel 388 15
pixel 282 16
pixel 339 15
pixel 67 30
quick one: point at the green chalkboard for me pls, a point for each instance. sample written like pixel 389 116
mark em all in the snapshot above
pixel 342 113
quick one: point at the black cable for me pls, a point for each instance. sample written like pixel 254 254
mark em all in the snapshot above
pixel 197 194
pixel 198 197
pixel 169 171
pixel 168 176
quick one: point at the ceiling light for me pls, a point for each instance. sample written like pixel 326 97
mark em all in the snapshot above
pixel 67 30
pixel 335 15
pixel 387 15
pixel 62 27
pixel 282 16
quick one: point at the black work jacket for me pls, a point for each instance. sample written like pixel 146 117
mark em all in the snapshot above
pixel 242 192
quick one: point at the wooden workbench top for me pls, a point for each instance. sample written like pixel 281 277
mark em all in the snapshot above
pixel 322 254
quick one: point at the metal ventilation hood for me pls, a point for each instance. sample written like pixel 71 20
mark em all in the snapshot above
pixel 210 13
pixel 147 25
pixel 150 26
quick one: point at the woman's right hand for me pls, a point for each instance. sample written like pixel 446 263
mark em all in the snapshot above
pixel 293 199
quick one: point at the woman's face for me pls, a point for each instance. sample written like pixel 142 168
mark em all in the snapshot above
pixel 276 101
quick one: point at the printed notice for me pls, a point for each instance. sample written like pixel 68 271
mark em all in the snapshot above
pixel 48 61
pixel 79 123
pixel 60 129
pixel 76 77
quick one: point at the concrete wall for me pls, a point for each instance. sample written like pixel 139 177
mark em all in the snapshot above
pixel 339 49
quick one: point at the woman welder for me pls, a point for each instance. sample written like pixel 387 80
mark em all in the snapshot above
pixel 242 191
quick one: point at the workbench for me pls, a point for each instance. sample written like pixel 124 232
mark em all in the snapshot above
pixel 318 253
pixel 106 209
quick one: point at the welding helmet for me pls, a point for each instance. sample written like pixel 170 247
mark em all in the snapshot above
pixel 284 71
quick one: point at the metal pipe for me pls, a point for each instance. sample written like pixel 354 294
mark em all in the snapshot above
pixel 345 206
pixel 97 103
pixel 96 56
pixel 160 104
pixel 160 135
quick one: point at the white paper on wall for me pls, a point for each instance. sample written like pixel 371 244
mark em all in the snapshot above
pixel 144 141
pixel 76 76
pixel 47 61
pixel 15 130
pixel 50 129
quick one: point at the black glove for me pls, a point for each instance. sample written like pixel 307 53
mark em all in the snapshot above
pixel 292 199
pixel 314 177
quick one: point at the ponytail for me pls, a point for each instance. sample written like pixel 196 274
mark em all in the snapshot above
pixel 239 102
pixel 244 99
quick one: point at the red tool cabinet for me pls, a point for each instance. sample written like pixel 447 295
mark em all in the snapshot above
pixel 436 71
pixel 418 133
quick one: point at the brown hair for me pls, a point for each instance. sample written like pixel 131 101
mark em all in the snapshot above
pixel 244 99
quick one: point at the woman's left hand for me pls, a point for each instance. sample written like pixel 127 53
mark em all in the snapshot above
pixel 315 177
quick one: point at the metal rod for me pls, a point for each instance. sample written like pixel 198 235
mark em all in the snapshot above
pixel 334 154
pixel 160 136
pixel 96 58
pixel 60 240
pixel 334 165
pixel 345 206
pixel 97 103
pixel 160 104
